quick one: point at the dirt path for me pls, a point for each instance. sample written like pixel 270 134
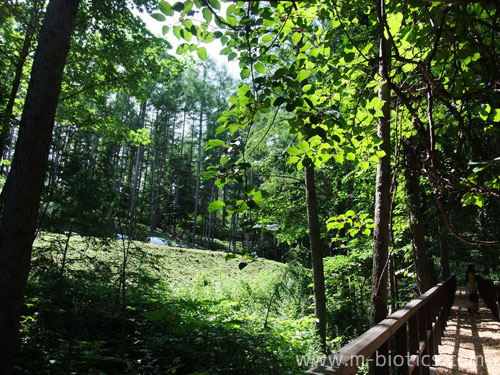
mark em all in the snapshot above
pixel 471 342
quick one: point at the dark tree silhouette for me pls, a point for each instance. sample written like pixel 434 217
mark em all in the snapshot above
pixel 21 194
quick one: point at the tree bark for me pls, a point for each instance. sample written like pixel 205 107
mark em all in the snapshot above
pixel 198 170
pixel 137 172
pixel 382 188
pixel 178 179
pixel 21 196
pixel 425 270
pixel 393 284
pixel 316 255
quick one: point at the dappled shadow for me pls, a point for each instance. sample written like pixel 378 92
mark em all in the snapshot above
pixel 471 343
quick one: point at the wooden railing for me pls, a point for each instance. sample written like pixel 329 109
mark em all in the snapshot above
pixel 407 340
pixel 490 291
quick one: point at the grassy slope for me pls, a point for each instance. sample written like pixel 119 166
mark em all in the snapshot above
pixel 185 311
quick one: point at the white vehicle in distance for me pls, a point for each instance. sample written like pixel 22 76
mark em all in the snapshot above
pixel 120 236
pixel 157 241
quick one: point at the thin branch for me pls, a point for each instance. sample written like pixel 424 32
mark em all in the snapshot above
pixel 217 17
pixel 348 35
pixel 452 231
pixel 88 87
pixel 267 131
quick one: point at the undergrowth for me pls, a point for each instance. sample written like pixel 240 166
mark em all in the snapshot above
pixel 169 311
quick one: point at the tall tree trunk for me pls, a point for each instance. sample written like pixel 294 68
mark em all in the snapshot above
pixel 235 231
pixel 316 255
pixel 224 208
pixel 21 195
pixel 178 179
pixel 231 232
pixel 378 298
pixel 198 169
pixel 209 221
pixel 137 172
pixel 393 284
pixel 214 219
pixel 425 270
pixel 153 200
pixel 152 221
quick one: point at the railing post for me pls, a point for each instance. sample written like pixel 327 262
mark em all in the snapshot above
pixel 402 349
pixel 423 348
pixel 413 342
pixel 442 318
pixel 381 359
pixel 429 317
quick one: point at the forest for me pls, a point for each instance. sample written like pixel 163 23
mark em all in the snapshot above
pixel 162 215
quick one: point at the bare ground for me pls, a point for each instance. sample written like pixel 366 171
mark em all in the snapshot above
pixel 471 342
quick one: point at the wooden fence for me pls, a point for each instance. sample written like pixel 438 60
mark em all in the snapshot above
pixel 490 291
pixel 406 341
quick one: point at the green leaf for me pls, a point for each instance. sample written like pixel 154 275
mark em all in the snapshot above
pixel 182 48
pixel 207 14
pixel 303 74
pixel 214 4
pixel 165 8
pixel 306 88
pixel 339 158
pixel 278 101
pixel 202 53
pixel 243 89
pixel 215 205
pixel 267 38
pixel 214 143
pixel 187 35
pixel 245 73
pixel 159 17
pixel 259 67
pixel 296 37
pixel 177 31
pixel 496 116
pixel 178 7
pixel 165 29
pixel 394 21
pixel 293 150
pixel 349 57
pixel 220 129
pixel 304 146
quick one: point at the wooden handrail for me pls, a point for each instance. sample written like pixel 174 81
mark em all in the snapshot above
pixel 415 330
pixel 490 291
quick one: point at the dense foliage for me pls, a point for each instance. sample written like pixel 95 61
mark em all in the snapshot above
pixel 186 311
pixel 151 142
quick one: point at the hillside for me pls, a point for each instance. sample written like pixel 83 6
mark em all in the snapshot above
pixel 170 310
